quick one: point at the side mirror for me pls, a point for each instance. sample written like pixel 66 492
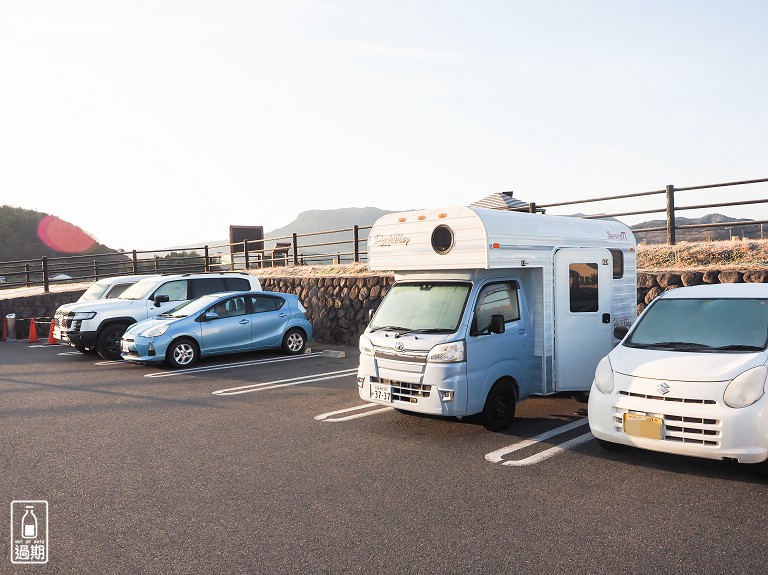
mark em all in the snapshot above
pixel 370 315
pixel 620 331
pixel 161 299
pixel 210 315
pixel 497 323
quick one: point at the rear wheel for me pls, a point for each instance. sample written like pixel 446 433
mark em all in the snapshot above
pixel 294 341
pixel 108 341
pixel 182 353
pixel 499 410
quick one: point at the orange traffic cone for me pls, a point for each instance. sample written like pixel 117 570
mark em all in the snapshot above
pixel 51 339
pixel 32 332
pixel 4 335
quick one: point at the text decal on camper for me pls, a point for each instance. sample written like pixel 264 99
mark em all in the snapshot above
pixel 621 236
pixel 390 240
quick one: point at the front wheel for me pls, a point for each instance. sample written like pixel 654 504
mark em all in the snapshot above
pixel 182 353
pixel 294 341
pixel 108 341
pixel 499 410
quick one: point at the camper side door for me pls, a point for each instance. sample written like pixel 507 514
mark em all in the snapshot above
pixel 583 323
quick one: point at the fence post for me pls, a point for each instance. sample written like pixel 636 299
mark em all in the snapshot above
pixel 671 215
pixel 27 277
pixel 295 250
pixel 356 235
pixel 532 208
pixel 46 285
pixel 95 270
pixel 207 265
pixel 135 263
pixel 245 253
pixel 157 265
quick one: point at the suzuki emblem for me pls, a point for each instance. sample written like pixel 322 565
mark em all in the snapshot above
pixel 663 388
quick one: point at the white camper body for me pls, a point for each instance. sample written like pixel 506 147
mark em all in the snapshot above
pixel 437 344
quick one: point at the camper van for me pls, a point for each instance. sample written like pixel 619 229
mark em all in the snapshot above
pixel 490 307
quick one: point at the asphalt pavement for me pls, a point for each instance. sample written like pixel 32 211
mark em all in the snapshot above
pixel 259 463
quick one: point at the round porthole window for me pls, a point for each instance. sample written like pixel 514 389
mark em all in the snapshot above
pixel 442 239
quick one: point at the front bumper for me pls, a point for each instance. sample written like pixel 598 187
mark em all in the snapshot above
pixel 696 423
pixel 143 349
pixel 433 389
pixel 78 338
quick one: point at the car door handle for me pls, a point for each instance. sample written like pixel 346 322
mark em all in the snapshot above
pixel 244 321
pixel 282 314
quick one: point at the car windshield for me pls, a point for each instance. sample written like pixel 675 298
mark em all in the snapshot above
pixel 422 307
pixel 94 292
pixel 703 325
pixel 139 290
pixel 191 307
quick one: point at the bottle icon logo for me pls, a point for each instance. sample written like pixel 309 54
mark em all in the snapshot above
pixel 29 523
pixel 29 532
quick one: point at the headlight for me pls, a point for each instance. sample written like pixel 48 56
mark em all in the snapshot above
pixel 604 375
pixel 366 347
pixel 747 388
pixel 447 352
pixel 81 315
pixel 155 331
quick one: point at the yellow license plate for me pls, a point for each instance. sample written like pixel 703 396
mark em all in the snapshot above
pixel 643 425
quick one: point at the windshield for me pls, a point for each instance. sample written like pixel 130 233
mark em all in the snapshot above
pixel 94 292
pixel 191 307
pixel 430 307
pixel 139 290
pixel 703 325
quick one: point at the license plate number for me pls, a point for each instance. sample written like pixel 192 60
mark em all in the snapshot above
pixel 381 392
pixel 643 425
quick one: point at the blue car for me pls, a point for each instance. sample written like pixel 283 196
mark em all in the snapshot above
pixel 219 323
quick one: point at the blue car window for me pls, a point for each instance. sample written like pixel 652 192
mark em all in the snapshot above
pixel 266 303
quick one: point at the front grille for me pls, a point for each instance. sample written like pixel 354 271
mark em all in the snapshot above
pixel 674 399
pixel 402 391
pixel 418 358
pixel 678 428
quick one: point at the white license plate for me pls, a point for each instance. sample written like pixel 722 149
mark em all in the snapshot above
pixel 381 392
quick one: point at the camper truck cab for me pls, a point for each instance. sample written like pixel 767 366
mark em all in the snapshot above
pixel 492 306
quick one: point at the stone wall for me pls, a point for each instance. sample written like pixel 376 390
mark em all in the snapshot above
pixel 651 284
pixel 338 306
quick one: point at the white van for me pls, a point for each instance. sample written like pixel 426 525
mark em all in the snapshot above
pixel 690 376
pixel 492 306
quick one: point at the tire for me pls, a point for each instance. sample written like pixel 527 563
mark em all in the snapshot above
pixel 294 341
pixel 182 353
pixel 499 410
pixel 610 446
pixel 108 341
pixel 85 350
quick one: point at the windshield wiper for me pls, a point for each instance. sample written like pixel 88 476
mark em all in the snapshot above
pixel 425 330
pixel 390 327
pixel 738 347
pixel 677 345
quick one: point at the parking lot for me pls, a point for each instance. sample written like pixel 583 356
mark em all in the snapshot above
pixel 263 463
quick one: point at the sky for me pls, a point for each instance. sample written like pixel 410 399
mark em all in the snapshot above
pixel 158 123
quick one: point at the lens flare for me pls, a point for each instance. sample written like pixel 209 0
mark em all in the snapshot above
pixel 63 236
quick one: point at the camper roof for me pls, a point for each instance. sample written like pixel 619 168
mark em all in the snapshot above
pixel 471 238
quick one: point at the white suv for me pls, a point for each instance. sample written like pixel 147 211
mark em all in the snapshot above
pixel 111 287
pixel 97 326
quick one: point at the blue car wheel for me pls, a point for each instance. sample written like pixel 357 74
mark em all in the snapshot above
pixel 182 353
pixel 294 341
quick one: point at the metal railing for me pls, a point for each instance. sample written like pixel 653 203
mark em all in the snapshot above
pixel 341 246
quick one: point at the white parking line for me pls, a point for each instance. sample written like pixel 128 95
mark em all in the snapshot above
pixel 328 416
pixel 286 382
pixel 230 365
pixel 497 456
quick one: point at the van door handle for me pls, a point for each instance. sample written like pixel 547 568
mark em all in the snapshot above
pixel 520 332
pixel 244 321
pixel 606 318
